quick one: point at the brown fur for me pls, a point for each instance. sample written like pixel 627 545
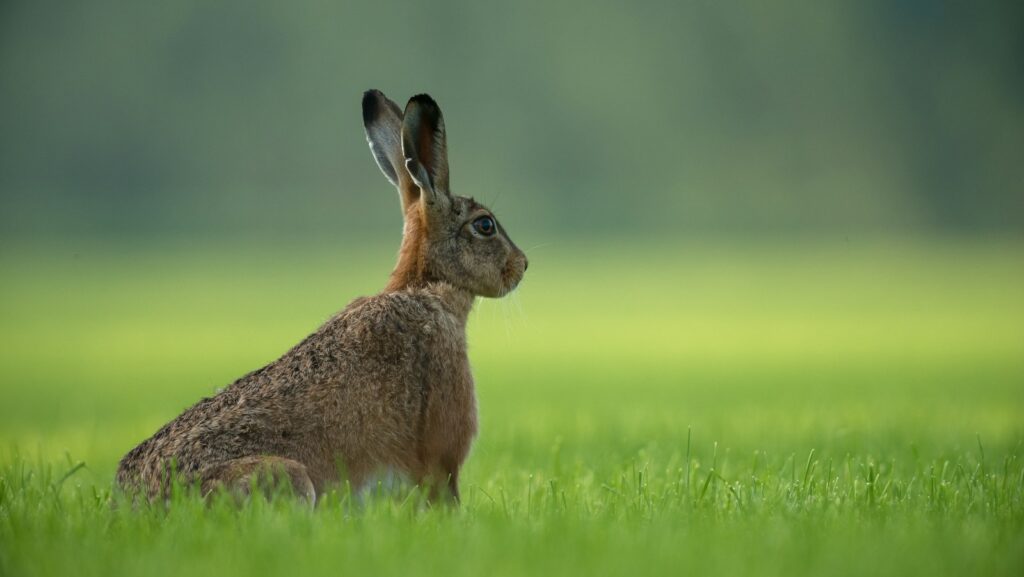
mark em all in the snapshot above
pixel 409 270
pixel 385 383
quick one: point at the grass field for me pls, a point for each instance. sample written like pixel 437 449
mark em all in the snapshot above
pixel 776 408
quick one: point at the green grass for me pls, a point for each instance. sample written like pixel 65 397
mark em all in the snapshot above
pixel 773 409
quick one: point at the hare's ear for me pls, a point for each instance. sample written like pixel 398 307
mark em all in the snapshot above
pixel 425 147
pixel 382 120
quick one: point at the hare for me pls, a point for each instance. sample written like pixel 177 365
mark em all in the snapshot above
pixel 385 384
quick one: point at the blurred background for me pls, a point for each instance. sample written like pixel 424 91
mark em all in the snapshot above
pixel 791 226
pixel 241 119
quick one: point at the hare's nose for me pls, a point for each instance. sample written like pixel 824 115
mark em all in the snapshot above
pixel 526 263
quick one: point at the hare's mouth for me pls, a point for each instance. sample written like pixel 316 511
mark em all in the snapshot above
pixel 512 275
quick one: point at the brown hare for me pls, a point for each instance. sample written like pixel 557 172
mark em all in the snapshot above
pixel 385 384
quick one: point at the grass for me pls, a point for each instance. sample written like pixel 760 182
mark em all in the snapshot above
pixel 837 408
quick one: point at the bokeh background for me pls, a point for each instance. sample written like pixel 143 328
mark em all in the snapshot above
pixel 240 119
pixel 787 227
pixel 774 315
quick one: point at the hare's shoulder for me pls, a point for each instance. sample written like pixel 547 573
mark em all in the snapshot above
pixel 414 314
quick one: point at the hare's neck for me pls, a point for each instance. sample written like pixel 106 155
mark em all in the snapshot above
pixel 458 301
pixel 410 271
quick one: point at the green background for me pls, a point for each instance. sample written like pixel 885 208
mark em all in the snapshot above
pixel 773 322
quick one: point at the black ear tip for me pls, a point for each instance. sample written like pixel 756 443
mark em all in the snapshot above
pixel 371 104
pixel 424 101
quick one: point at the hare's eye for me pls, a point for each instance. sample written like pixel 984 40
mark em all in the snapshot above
pixel 485 226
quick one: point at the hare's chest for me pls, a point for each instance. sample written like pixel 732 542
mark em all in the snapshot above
pixel 450 420
pixel 450 416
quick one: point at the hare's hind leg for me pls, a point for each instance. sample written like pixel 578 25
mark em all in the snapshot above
pixel 265 472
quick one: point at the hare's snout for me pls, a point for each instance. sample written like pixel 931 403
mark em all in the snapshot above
pixel 515 268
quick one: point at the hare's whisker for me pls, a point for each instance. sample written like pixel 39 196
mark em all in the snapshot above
pixel 519 307
pixel 494 203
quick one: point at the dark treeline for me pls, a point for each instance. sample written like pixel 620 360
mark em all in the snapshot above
pixel 578 117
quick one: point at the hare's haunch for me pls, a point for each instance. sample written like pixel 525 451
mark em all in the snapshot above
pixel 385 383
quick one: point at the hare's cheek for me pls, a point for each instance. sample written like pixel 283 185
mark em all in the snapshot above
pixel 510 275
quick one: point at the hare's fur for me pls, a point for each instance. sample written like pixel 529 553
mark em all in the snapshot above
pixel 386 382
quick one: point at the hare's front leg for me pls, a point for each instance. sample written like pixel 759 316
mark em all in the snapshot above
pixel 264 472
pixel 440 479
pixel 453 484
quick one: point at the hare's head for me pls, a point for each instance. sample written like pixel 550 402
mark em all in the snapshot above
pixel 446 238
